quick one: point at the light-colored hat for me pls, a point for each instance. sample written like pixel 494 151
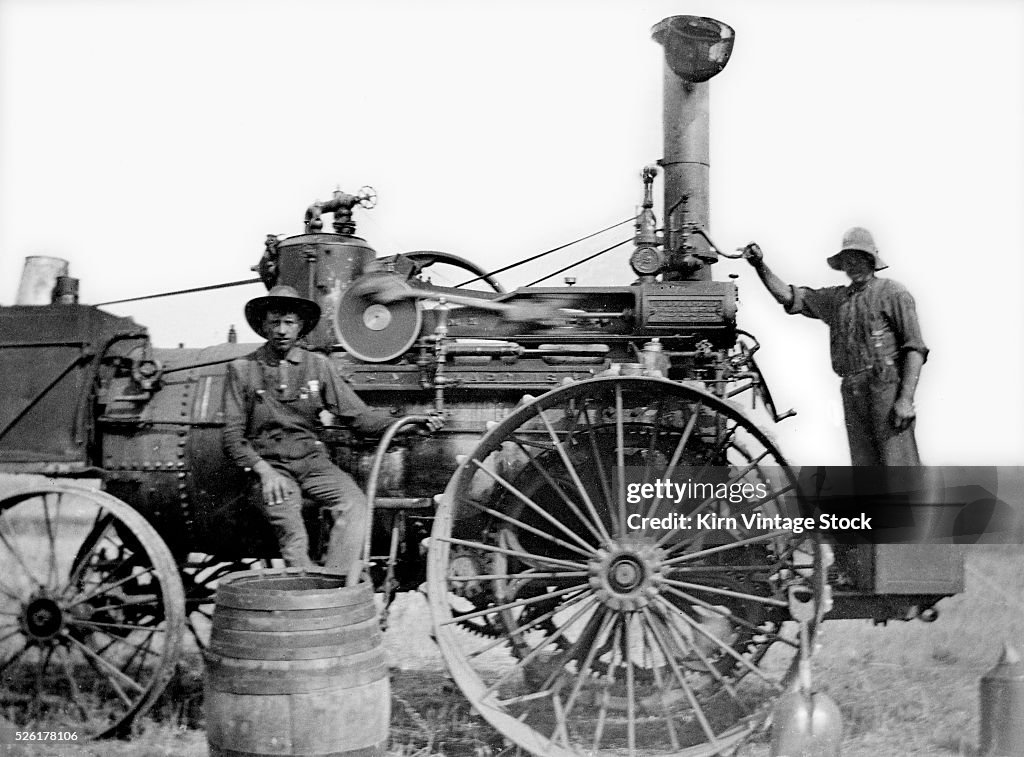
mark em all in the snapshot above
pixel 282 299
pixel 858 239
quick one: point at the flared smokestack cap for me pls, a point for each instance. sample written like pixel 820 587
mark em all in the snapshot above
pixel 696 47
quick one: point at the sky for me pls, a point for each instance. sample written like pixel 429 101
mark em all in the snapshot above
pixel 154 144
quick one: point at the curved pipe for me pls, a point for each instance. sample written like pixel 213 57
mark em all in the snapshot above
pixel 371 488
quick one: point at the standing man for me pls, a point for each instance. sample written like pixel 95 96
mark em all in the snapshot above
pixel 272 403
pixel 876 347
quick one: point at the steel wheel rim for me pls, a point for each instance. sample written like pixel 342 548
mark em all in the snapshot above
pixel 92 611
pixel 632 594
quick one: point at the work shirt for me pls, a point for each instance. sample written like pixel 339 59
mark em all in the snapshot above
pixel 272 407
pixel 870 325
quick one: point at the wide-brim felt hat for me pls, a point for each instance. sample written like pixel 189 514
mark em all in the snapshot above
pixel 282 299
pixel 858 239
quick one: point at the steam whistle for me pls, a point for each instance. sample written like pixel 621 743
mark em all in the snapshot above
pixel 341 205
pixel 805 723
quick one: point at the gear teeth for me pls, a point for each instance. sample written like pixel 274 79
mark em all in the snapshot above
pixel 526 399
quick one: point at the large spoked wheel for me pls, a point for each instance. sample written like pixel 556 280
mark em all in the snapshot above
pixel 580 612
pixel 200 574
pixel 92 610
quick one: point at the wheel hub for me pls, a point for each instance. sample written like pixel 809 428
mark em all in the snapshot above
pixel 624 576
pixel 42 618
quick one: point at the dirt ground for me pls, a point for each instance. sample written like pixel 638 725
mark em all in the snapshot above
pixel 903 689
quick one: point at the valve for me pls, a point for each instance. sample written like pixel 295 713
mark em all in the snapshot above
pixel 340 205
pixel 647 260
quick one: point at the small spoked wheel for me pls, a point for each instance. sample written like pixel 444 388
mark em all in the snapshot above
pixel 92 611
pixel 607 573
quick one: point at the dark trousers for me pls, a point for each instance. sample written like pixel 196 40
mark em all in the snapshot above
pixel 867 405
pixel 316 477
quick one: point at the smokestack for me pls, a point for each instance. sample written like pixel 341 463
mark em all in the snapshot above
pixel 65 291
pixel 696 49
pixel 38 279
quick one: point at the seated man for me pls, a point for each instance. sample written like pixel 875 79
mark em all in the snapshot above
pixel 272 403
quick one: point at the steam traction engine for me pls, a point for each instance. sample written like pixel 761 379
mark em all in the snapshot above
pixel 573 613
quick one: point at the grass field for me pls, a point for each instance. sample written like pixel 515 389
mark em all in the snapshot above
pixel 904 688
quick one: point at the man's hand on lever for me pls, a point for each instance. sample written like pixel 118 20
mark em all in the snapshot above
pixel 752 254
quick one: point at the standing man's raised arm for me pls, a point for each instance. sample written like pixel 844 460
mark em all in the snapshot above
pixel 780 290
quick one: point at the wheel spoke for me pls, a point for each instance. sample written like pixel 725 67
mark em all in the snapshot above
pixel 550 481
pixel 20 560
pixel 749 508
pixel 138 602
pixel 630 690
pixel 96 534
pixel 101 625
pixel 732 618
pixel 732 480
pixel 526 556
pixel 14 657
pixel 606 695
pixel 705 661
pixel 721 644
pixel 511 605
pixel 598 461
pixel 139 656
pixel 51 574
pixel 105 664
pixel 8 592
pixel 725 592
pixel 40 679
pixel 519 630
pixel 102 588
pixel 571 470
pixel 581 676
pixel 514 576
pixel 587 548
pixel 677 454
pixel 76 694
pixel 660 684
pixel 531 529
pixel 536 652
pixel 701 553
pixel 654 439
pixel 620 460
pixel 15 631
pixel 698 711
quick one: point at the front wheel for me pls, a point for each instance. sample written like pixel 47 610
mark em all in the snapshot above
pixel 580 616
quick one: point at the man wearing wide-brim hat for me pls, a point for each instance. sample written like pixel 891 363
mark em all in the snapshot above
pixel 876 347
pixel 272 404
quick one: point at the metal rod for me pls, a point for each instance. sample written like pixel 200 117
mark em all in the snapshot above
pixel 180 291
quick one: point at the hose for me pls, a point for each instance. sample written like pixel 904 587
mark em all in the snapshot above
pixel 371 489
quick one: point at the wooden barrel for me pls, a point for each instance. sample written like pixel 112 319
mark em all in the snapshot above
pixel 295 667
